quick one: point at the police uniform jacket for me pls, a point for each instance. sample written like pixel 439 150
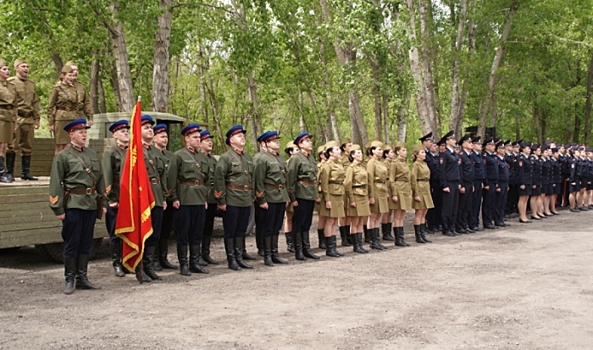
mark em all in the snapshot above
pixel 233 179
pixel 432 162
pixel 536 170
pixel 28 102
pixel 479 167
pixel 466 169
pixel 302 177
pixel 270 178
pixel 69 173
pixel 503 171
pixel 155 166
pixel 112 163
pixel 62 104
pixel 524 171
pixel 556 171
pixel 546 171
pixel 8 101
pixel 188 178
pixel 491 167
pixel 448 167
pixel 511 160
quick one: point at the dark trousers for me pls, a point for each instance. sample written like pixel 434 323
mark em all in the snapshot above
pixel 189 224
pixel 433 216
pixel 235 221
pixel 209 222
pixel 156 214
pixel 271 219
pixel 465 206
pixel 167 224
pixel 303 215
pixel 488 205
pixel 110 219
pixel 500 200
pixel 512 199
pixel 476 204
pixel 449 209
pixel 77 232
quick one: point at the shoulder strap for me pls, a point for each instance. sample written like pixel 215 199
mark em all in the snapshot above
pixel 234 155
pixel 86 168
pixel 64 91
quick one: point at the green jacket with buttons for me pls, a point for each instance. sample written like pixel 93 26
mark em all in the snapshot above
pixel 191 167
pixel 270 178
pixel 233 179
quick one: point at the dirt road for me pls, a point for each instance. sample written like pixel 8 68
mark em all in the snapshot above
pixel 522 287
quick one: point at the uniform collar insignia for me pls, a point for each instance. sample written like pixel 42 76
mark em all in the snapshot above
pixel 77 147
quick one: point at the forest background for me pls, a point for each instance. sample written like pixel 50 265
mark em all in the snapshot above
pixel 366 69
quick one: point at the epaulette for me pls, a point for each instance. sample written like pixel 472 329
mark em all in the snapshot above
pixel 11 79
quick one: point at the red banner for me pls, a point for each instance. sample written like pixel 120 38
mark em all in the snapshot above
pixel 134 224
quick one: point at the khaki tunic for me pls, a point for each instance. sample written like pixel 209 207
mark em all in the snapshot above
pixel 8 111
pixel 28 115
pixel 332 178
pixel 187 166
pixel 378 176
pixel 318 204
pixel 62 109
pixel 419 181
pixel 356 187
pixel 84 101
pixel 399 177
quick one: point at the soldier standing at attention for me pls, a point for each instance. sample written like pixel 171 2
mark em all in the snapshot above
pixel 419 182
pixel 401 193
pixel 27 121
pixel 320 218
pixel 160 141
pixel 449 177
pixel 500 198
pixel 356 183
pixel 62 107
pixel 155 167
pixel 290 150
pixel 84 102
pixel 75 183
pixel 271 195
pixel 259 239
pixel 378 192
pixel 302 190
pixel 8 112
pixel 189 184
pixel 479 179
pixel 233 190
pixel 332 196
pixel 112 163
pixel 433 214
pixel 386 219
pixel 206 148
pixel 490 184
pixel 344 223
pixel 466 192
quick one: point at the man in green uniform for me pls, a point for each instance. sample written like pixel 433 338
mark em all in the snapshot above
pixel 112 164
pixel 84 101
pixel 189 184
pixel 27 121
pixel 271 195
pixel 302 190
pixel 75 184
pixel 259 239
pixel 206 148
pixel 233 190
pixel 160 141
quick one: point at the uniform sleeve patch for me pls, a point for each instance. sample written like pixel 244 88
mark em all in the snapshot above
pixel 108 189
pixel 53 200
pixel 259 194
pixel 217 194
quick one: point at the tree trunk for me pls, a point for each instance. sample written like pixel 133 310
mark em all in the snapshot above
pixel 94 84
pixel 255 112
pixel 101 91
pixel 385 118
pixel 455 119
pixel 427 57
pixel 115 85
pixel 495 65
pixel 201 74
pixel 588 103
pixel 160 73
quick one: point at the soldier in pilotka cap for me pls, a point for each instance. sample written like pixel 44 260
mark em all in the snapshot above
pixel 233 190
pixel 83 108
pixel 8 112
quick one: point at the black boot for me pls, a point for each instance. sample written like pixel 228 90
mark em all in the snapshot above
pixel 163 253
pixel 423 233
pixel 344 235
pixel 3 177
pixel 25 168
pixel 205 258
pixel 307 246
pixel 275 257
pixel 116 260
pixel 375 244
pixel 246 255
pixel 289 244
pixel 259 242
pixel 418 234
pixel 148 262
pixel 357 238
pixel 141 276
pixel 399 237
pixel 183 261
pixel 367 235
pixel 330 249
pixel 240 252
pixel 156 265
pixel 69 273
pixel 10 156
pixel 229 248
pixel 377 236
pixel 386 231
pixel 268 251
pixel 297 240
pixel 194 259
pixel 321 238
pixel 335 246
pixel 82 282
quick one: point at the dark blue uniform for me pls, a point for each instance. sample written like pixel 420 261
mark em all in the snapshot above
pixel 490 184
pixel 500 197
pixel 433 217
pixel 536 175
pixel 466 174
pixel 449 177
pixel 512 160
pixel 479 179
pixel 524 175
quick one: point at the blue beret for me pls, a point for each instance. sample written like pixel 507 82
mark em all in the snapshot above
pixel 269 136
pixel 159 128
pixel 146 119
pixel 76 124
pixel 191 128
pixel 120 124
pixel 300 137
pixel 232 131
pixel 205 134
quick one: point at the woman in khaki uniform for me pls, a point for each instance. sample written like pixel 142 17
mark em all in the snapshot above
pixel 332 177
pixel 8 112
pixel 320 218
pixel 420 182
pixel 378 192
pixel 356 183
pixel 401 192
pixel 62 107
pixel 386 219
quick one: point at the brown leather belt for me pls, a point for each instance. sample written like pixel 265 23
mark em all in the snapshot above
pixel 155 180
pixel 423 180
pixel 8 107
pixel 336 183
pixel 192 182
pixel 359 186
pixel 238 187
pixel 307 182
pixel 87 191
pixel 276 187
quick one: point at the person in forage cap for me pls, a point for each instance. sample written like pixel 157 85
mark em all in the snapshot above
pixel 290 150
pixel 450 183
pixel 8 114
pixel 490 183
pixel 206 146
pixel 466 193
pixel 479 181
pixel 500 198
pixel 433 216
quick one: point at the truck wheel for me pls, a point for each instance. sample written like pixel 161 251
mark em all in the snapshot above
pixel 55 251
